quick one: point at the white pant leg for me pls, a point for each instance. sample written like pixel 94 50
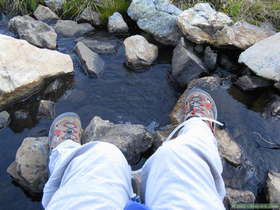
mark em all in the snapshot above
pixel 185 173
pixel 93 176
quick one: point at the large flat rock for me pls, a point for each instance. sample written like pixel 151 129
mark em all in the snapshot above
pixel 23 68
pixel 263 58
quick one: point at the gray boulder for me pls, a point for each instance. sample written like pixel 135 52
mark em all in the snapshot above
pixel 46 109
pixel 273 187
pixel 45 14
pixel 132 140
pixel 55 5
pixel 234 196
pixel 92 63
pixel 263 58
pixel 139 52
pixel 116 24
pixel 102 46
pixel 90 16
pixel 35 32
pixel 210 58
pixel 69 28
pixel 249 82
pixel 30 168
pixel 186 66
pixel 4 119
pixel 157 18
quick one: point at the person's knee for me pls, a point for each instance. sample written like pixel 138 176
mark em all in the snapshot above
pixel 109 151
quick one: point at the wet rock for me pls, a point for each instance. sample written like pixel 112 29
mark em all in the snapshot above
pixel 90 16
pixel 199 49
pixel 273 187
pixel 30 166
pixel 55 5
pixel 228 148
pixel 205 83
pixel 161 135
pixel 47 109
pixel 44 14
pixel 272 109
pixel 54 86
pixel 139 52
pixel 277 85
pixel 21 115
pixel 22 76
pixel 4 119
pixel 132 140
pixel 200 23
pixel 241 35
pixel 227 63
pixel 116 24
pixel 186 66
pixel 69 28
pixel 210 58
pixel 92 63
pixel 263 58
pixel 234 196
pixel 35 32
pixel 102 46
pixel 157 18
pixel 250 82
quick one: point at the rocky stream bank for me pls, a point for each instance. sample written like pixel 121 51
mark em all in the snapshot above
pixel 125 84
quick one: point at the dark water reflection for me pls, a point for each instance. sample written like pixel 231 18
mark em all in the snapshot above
pixel 121 95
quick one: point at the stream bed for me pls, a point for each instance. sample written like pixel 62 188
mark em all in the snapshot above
pixel 123 96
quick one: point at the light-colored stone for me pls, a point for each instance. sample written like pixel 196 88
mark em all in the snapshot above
pixel 132 140
pixel 35 32
pixel 263 58
pixel 30 166
pixel 139 52
pixel 116 24
pixel 228 148
pixel 157 18
pixel 241 35
pixel 4 119
pixel 71 28
pixel 44 13
pixel 186 66
pixel 90 16
pixel 234 196
pixel 200 23
pixel 102 46
pixel 273 187
pixel 55 5
pixel 93 64
pixel 23 68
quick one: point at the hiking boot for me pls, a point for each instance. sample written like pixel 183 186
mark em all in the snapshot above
pixel 200 104
pixel 66 126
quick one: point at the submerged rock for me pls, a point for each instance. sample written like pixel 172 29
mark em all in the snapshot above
pixel 249 82
pixel 228 148
pixel 139 52
pixel 4 119
pixel 210 58
pixel 157 18
pixel 132 140
pixel 116 24
pixel 71 28
pixel 30 166
pixel 92 63
pixel 22 76
pixel 102 46
pixel 47 109
pixel 35 32
pixel 44 14
pixel 234 196
pixel 200 23
pixel 273 187
pixel 263 58
pixel 90 16
pixel 55 5
pixel 21 115
pixel 186 66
